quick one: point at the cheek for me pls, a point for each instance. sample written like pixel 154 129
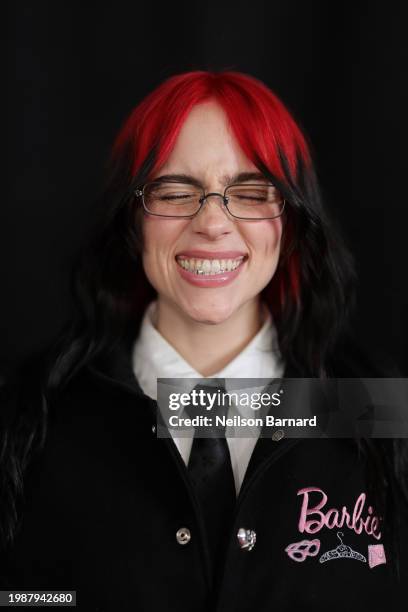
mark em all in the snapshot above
pixel 160 238
pixel 266 238
pixel 265 243
pixel 154 241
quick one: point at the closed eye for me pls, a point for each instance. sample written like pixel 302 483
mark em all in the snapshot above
pixel 176 197
pixel 247 197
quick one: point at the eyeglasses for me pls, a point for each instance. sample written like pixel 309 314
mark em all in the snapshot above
pixel 174 199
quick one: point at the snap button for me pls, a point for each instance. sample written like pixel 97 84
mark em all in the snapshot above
pixel 278 435
pixel 183 536
pixel 246 538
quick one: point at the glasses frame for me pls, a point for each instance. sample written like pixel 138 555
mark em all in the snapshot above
pixel 139 193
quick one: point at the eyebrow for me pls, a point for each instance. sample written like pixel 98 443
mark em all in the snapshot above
pixel 241 177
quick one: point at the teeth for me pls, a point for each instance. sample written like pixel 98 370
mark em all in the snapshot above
pixel 207 266
pixel 215 266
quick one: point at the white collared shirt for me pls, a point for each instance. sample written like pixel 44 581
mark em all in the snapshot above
pixel 153 357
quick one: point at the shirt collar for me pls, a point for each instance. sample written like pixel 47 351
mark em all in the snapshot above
pixel 153 357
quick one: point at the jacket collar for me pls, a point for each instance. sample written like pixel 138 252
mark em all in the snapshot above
pixel 115 368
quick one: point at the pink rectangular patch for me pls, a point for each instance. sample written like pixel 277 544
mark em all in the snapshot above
pixel 376 555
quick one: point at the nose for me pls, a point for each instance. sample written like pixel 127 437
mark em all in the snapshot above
pixel 213 218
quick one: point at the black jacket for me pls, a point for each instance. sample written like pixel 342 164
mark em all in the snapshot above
pixel 106 498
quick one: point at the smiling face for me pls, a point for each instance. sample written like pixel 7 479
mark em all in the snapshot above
pixel 207 150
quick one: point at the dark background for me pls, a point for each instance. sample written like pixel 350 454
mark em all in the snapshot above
pixel 76 71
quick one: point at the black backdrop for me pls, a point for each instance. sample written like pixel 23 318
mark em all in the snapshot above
pixel 75 71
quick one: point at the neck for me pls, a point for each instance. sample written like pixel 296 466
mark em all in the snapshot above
pixel 209 348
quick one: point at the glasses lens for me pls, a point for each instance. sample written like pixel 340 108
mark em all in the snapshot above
pixel 171 199
pixel 254 201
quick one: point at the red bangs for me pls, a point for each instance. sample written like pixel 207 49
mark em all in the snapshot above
pixel 262 125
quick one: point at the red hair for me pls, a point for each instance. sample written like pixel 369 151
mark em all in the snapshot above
pixel 262 125
pixel 264 128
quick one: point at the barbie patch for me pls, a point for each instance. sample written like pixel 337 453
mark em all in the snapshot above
pixel 315 516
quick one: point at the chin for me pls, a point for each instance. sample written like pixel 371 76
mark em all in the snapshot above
pixel 211 314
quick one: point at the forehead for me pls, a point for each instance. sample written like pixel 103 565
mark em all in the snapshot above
pixel 206 146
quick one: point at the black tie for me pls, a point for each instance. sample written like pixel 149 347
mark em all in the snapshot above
pixel 211 474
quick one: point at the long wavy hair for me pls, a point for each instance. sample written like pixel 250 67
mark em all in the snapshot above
pixel 310 295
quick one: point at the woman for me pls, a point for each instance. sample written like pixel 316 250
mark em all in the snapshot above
pixel 215 258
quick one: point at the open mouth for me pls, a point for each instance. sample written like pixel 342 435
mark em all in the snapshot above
pixel 209 267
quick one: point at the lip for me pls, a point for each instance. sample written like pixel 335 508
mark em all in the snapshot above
pixel 212 254
pixel 211 280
